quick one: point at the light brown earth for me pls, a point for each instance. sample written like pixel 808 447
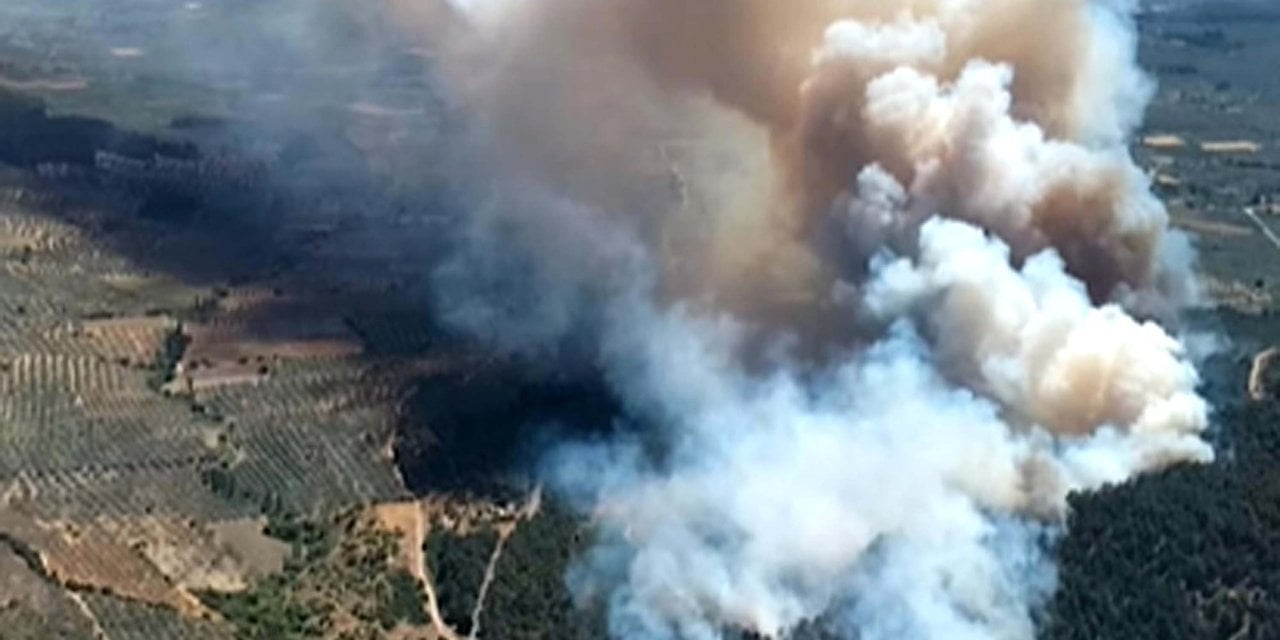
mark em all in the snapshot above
pixel 1247 147
pixel 408 520
pixel 1262 375
pixel 93 557
pixel 260 554
pixel 59 85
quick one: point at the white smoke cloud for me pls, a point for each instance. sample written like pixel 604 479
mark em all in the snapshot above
pixel 784 488
pixel 981 277
pixel 905 41
pixel 778 490
pixel 969 158
pixel 1032 341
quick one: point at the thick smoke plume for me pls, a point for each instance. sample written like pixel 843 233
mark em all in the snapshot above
pixel 879 279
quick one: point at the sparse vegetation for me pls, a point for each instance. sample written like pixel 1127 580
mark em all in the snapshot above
pixel 270 612
pixel 168 357
pixel 341 576
pixel 403 602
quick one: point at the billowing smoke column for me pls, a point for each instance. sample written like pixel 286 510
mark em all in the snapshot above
pixel 896 295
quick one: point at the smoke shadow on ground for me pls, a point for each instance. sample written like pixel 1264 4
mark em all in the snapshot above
pixel 313 224
pixel 484 429
pixel 172 206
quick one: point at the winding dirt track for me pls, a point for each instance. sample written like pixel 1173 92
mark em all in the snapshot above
pixel 1263 226
pixel 529 510
pixel 412 521
pixel 437 621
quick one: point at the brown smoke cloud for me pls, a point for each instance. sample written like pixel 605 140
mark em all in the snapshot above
pixel 612 101
pixel 754 56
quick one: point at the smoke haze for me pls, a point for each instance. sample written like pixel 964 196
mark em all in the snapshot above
pixel 879 281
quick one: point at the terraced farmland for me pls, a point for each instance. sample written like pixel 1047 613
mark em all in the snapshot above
pixel 146 424
pixel 214 354
pixel 125 620
pixel 33 609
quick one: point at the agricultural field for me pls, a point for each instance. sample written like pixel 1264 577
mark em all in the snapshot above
pixel 209 366
pixel 152 419
pixel 132 441
pixel 156 428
